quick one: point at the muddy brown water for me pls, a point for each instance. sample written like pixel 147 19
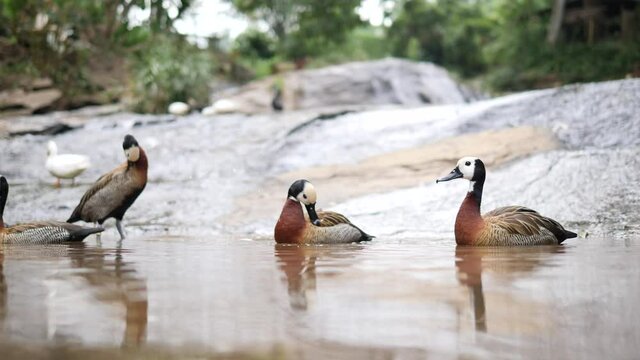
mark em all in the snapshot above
pixel 388 298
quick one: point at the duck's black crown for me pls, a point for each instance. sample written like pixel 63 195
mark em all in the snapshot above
pixel 129 142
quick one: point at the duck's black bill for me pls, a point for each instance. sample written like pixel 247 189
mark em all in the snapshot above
pixel 454 174
pixel 313 216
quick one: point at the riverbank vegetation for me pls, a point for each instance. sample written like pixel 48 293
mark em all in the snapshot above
pixel 98 51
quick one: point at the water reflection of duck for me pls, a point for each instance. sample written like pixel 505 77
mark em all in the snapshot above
pixel 43 232
pixel 502 261
pixel 118 282
pixel 298 263
pixel 114 192
pixel 293 227
pixel 505 226
pixel 112 280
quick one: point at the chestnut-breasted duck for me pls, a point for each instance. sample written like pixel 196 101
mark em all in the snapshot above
pixel 505 226
pixel 114 192
pixel 322 227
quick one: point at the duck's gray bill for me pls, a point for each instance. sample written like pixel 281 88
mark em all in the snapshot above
pixel 454 174
pixel 313 216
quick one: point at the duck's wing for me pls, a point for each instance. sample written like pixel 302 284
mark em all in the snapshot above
pixel 47 232
pixel 100 184
pixel 520 220
pixel 330 218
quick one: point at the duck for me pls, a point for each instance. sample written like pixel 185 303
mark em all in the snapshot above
pixel 504 226
pixel 114 192
pixel 65 166
pixel 42 232
pixel 322 227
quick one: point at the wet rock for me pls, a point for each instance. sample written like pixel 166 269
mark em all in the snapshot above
pixel 178 108
pixel 29 101
pixel 54 123
pixel 601 115
pixel 374 83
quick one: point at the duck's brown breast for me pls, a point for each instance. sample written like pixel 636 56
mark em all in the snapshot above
pixel 469 223
pixel 291 225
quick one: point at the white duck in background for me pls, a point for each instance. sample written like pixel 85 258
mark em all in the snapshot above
pixel 65 166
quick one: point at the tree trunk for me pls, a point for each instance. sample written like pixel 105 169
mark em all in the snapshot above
pixel 627 23
pixel 557 15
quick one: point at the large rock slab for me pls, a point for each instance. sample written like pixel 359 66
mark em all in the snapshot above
pixel 373 83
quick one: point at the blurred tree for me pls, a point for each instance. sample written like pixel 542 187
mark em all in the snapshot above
pixel 255 44
pixel 303 27
pixel 446 32
pixel 69 41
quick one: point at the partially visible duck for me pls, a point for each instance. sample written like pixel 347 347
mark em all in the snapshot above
pixel 296 227
pixel 65 166
pixel 114 192
pixel 505 226
pixel 43 232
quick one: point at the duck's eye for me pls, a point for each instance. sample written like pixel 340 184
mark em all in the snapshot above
pixel 468 163
pixel 304 196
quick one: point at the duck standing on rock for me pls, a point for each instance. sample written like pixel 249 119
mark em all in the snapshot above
pixel 65 166
pixel 43 232
pixel 114 192
pixel 505 226
pixel 323 227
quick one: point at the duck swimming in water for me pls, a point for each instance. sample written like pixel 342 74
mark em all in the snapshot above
pixel 65 166
pixel 43 232
pixel 114 192
pixel 505 226
pixel 322 227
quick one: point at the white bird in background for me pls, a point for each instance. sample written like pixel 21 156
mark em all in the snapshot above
pixel 65 166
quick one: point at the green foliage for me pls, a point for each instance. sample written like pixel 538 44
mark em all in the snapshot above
pixel 169 69
pixel 520 57
pixel 69 40
pixel 362 43
pixel 254 44
pixel 303 27
pixel 445 32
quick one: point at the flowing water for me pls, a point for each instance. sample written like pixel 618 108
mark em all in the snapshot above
pixel 387 298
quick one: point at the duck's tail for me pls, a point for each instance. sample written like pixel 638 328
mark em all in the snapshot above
pixel 80 233
pixel 365 237
pixel 570 234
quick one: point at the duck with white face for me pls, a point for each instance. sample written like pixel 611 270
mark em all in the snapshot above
pixel 114 192
pixel 296 226
pixel 505 226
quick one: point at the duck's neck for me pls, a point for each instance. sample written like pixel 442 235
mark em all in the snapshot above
pixel 142 164
pixel 3 201
pixel 291 223
pixel 475 191
pixel 469 219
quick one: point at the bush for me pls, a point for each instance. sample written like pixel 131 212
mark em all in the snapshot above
pixel 169 69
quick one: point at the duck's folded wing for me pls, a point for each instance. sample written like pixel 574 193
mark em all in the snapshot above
pixel 330 218
pixel 523 221
pixel 100 184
